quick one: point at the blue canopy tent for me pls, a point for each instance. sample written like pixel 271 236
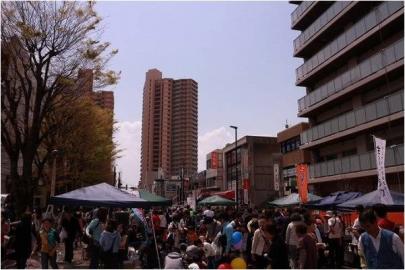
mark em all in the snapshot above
pixel 333 199
pixel 100 195
pixel 373 198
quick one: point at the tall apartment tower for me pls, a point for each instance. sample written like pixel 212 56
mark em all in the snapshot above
pixel 169 128
pixel 353 72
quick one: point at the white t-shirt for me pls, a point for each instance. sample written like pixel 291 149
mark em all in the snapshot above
pixel 208 213
pixel 163 221
pixel 208 250
pixel 335 228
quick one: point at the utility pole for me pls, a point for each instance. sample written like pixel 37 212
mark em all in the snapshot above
pixel 236 164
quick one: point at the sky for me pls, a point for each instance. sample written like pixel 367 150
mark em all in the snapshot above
pixel 240 53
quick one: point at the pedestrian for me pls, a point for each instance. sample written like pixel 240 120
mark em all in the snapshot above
pixel 71 227
pixel 209 252
pixel 25 232
pixel 379 248
pixel 5 229
pixel 49 239
pixel 93 232
pixel 109 245
pixel 335 239
pixel 228 231
pixel 291 240
pixel 278 251
pixel 174 260
pixel 122 252
pixel 260 246
pixel 307 251
pixel 252 226
pixel 383 221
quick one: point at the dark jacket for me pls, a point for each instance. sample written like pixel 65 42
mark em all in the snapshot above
pixel 278 253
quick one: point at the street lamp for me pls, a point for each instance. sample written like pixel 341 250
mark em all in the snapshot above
pixel 236 160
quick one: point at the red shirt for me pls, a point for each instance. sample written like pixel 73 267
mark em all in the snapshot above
pixel 387 224
pixel 156 222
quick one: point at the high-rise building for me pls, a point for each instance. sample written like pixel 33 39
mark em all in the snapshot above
pixel 353 72
pixel 169 128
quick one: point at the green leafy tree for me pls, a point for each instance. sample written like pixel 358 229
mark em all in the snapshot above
pixel 44 45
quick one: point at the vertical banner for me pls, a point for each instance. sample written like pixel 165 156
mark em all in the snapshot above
pixel 382 187
pixel 276 177
pixel 302 181
pixel 214 160
pixel 246 187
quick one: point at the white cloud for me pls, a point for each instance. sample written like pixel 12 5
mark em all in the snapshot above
pixel 212 140
pixel 128 138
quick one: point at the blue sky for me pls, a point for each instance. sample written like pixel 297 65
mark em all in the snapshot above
pixel 240 53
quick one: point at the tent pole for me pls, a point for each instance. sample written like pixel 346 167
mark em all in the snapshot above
pixel 154 237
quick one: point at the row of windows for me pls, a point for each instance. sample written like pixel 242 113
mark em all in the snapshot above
pixel 290 145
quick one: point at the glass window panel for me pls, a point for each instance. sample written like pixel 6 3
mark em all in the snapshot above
pixel 338 166
pixel 350 120
pixel 324 169
pixel 342 122
pixel 365 68
pixel 327 128
pixel 321 57
pixel 335 125
pixel 346 79
pixel 324 91
pixel 355 74
pixel 350 35
pixel 365 162
pixel 315 133
pixel 327 52
pixel 370 20
pixel 345 165
pixel 331 88
pixel 312 98
pixel 334 48
pixel 360 116
pixel 383 11
pixel 394 6
pixel 360 28
pixel 371 112
pixel 323 19
pixel 330 13
pixel 376 63
pixel 341 41
pixel 399 50
pixel 317 96
pixel 321 131
pixel 382 108
pixel 354 163
pixel 389 55
pixel 338 83
pixel 395 103
pixel 315 61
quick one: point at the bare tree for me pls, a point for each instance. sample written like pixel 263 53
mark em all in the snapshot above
pixel 44 45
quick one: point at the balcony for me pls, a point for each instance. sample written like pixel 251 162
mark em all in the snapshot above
pixel 378 62
pixel 296 15
pixel 394 156
pixel 354 121
pixel 332 12
pixel 352 37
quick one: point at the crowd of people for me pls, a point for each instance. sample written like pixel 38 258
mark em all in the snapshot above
pixel 214 238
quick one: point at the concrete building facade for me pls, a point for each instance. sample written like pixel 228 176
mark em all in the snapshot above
pixel 252 163
pixel 169 128
pixel 290 141
pixel 215 169
pixel 353 72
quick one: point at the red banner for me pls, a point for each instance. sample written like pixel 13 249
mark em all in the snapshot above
pixel 302 181
pixel 246 184
pixel 214 160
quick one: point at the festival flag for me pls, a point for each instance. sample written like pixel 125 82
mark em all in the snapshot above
pixel 382 187
pixel 302 181
pixel 138 214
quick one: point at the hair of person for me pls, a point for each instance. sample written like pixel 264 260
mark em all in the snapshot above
pixel 380 210
pixel 111 225
pixel 295 217
pixel 368 216
pixel 301 229
pixel 271 229
pixel 102 214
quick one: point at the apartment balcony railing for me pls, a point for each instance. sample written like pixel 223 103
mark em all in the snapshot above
pixel 394 156
pixel 372 111
pixel 367 67
pixel 365 24
pixel 296 14
pixel 319 23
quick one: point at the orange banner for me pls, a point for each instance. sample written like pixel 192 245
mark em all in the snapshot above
pixel 302 181
pixel 214 160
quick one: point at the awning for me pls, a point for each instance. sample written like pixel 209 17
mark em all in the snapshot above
pixel 216 200
pixel 100 195
pixel 373 198
pixel 229 194
pixel 153 199
pixel 333 199
pixel 293 199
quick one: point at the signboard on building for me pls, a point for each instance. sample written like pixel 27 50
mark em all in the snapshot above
pixel 214 160
pixel 302 181
pixel 246 184
pixel 276 177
